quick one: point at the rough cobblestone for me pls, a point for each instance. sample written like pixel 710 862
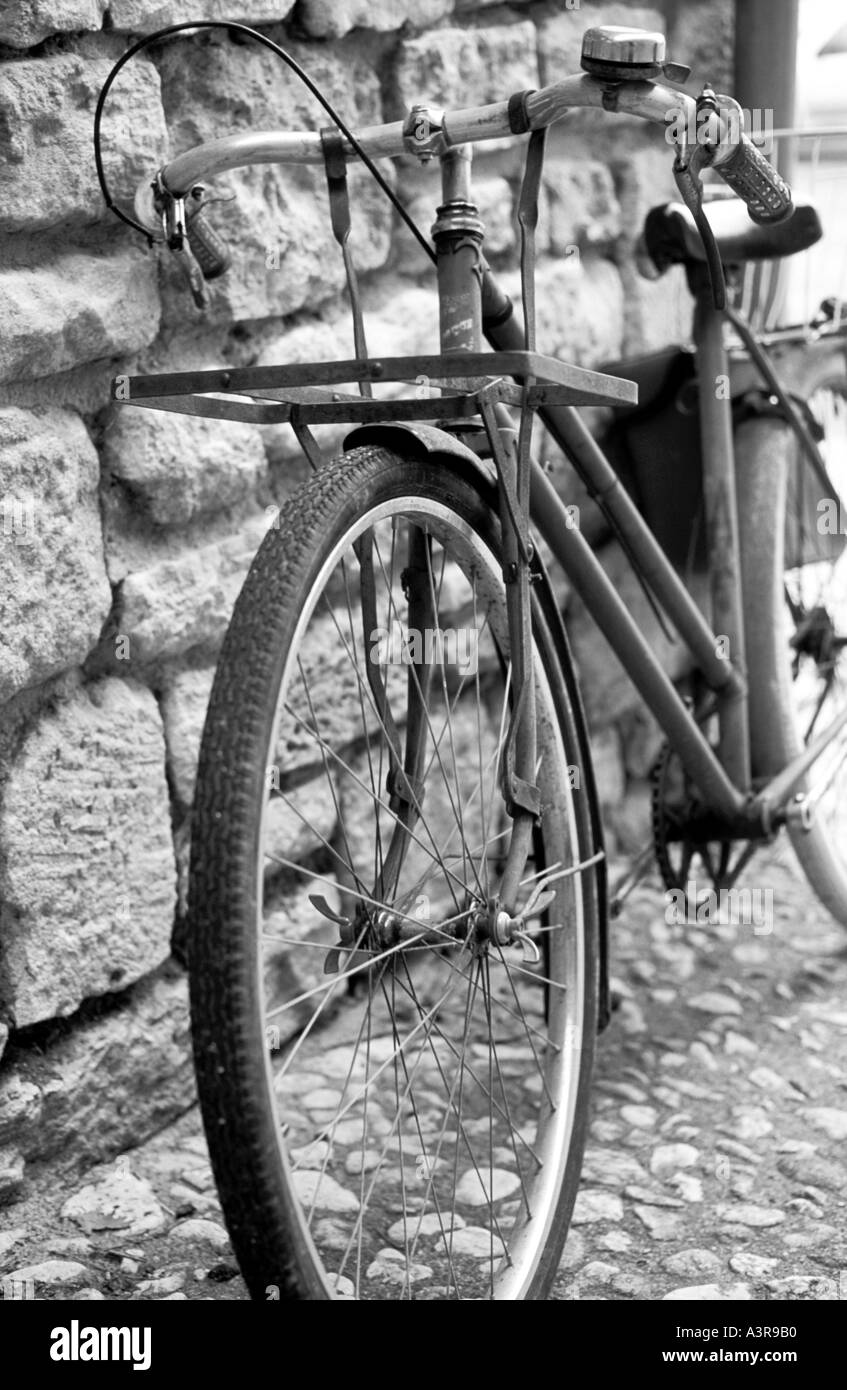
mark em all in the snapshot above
pixel 754 1209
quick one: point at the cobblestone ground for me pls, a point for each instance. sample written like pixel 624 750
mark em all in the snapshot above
pixel 715 1166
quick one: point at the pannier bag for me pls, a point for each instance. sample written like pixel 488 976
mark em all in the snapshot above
pixel 656 450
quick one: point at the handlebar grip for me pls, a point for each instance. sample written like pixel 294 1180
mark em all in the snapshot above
pixel 210 250
pixel 755 180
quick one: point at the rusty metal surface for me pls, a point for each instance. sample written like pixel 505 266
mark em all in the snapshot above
pixel 433 440
pixel 270 395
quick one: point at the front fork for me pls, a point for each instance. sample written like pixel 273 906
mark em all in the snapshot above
pixel 458 237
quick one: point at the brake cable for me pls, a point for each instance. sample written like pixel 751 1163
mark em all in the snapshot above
pixel 686 170
pixel 295 68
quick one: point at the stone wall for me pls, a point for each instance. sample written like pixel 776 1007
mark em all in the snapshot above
pixel 126 536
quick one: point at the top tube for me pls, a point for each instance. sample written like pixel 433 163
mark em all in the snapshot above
pixel 646 99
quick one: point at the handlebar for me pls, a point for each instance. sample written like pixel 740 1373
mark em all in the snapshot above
pixel 620 68
pixel 740 163
pixel 469 126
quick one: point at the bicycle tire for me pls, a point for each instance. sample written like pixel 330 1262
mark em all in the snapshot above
pixel 766 452
pixel 276 1249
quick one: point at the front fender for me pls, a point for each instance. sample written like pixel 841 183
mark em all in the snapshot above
pixel 428 438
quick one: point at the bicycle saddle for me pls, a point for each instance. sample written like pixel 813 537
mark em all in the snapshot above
pixel 670 236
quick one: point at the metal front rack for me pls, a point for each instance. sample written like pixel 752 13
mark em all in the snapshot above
pixel 305 393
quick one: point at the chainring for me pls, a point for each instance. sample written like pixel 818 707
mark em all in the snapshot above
pixel 681 855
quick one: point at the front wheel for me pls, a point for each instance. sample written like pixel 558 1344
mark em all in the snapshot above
pixel 794 572
pixel 395 1101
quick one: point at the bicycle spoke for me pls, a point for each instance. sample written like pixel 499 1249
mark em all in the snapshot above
pixel 418 1085
pixel 366 690
pixel 485 1092
pixel 382 806
pixel 446 783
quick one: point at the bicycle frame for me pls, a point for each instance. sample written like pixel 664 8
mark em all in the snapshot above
pixel 468 297
pixel 724 777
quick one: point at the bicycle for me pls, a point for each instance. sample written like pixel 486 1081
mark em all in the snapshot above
pixel 395 785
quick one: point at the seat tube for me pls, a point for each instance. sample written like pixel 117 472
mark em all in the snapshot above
pixel 722 530
pixel 458 234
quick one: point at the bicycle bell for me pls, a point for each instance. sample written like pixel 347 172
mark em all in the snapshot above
pixel 619 54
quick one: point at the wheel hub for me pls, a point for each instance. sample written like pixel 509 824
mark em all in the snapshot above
pixel 816 637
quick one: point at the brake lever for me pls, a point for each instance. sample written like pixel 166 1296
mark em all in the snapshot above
pixel 690 185
pixel 193 274
pixel 686 170
pixel 175 230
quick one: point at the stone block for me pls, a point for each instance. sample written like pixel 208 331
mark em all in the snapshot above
pixel 108 1083
pixel 465 67
pixel 178 467
pixel 87 871
pixel 47 173
pixel 143 16
pixel 582 206
pixel 184 702
pixel 185 602
pixel 212 85
pixel 579 308
pixel 330 19
pixel 703 36
pixel 79 308
pixel 21 1105
pixel 54 593
pixel 24 23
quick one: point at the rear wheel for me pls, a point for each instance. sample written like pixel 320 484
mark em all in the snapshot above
pixel 395 1099
pixel 794 567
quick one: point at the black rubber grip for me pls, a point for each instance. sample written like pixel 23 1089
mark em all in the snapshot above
pixel 210 251
pixel 755 180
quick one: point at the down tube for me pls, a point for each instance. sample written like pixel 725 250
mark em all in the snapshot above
pixel 612 617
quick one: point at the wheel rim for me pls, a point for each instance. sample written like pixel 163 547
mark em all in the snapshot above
pixel 452 1079
pixel 816 613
